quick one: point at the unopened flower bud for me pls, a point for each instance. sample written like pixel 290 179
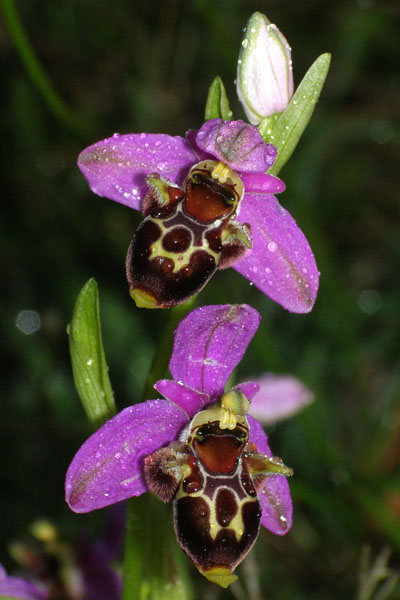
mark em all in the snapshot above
pixel 264 75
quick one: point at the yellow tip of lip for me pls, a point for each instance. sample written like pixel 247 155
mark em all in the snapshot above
pixel 143 299
pixel 220 575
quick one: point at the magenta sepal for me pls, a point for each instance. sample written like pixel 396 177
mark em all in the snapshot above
pixel 274 497
pixel 188 399
pixel 108 467
pixel 16 587
pixel 281 263
pixel 209 343
pixel 117 167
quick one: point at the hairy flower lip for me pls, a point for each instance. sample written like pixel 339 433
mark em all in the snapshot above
pixel 208 344
pixel 281 263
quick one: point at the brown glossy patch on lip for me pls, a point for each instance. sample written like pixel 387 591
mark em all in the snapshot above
pixel 226 507
pixel 218 449
pixel 177 240
pixel 207 200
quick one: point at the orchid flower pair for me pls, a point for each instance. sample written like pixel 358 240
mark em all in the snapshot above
pixel 208 201
pixel 147 446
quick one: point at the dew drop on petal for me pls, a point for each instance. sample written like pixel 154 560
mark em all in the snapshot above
pixel 272 246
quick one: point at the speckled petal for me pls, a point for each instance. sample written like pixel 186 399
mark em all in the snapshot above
pixel 117 167
pixel 15 587
pixel 279 397
pixel 237 144
pixel 209 343
pixel 108 467
pixel 188 399
pixel 281 263
pixel 275 500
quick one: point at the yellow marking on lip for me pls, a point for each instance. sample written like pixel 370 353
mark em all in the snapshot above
pixel 143 299
pixel 181 259
pixel 221 575
pixel 221 172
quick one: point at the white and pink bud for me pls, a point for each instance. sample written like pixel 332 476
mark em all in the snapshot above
pixel 264 75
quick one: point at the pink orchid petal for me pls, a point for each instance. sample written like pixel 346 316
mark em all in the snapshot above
pixel 275 500
pixel 262 183
pixel 117 167
pixel 209 343
pixel 16 587
pixel 237 144
pixel 249 389
pixel 279 397
pixel 108 467
pixel 281 263
pixel 188 399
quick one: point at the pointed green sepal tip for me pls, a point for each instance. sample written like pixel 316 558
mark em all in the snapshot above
pixel 285 130
pixel 89 365
pixel 217 105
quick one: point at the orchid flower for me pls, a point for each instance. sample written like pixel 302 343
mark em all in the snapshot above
pixel 189 446
pixel 255 234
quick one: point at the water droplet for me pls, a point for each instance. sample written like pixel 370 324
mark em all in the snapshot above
pixel 89 362
pixel 272 246
pixel 28 321
pixel 245 43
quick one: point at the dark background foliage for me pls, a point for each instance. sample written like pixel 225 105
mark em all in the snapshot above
pixel 132 66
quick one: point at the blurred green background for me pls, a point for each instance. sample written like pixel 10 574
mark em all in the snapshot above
pixel 132 66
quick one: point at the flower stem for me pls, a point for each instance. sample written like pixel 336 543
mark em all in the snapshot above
pixel 154 567
pixel 162 354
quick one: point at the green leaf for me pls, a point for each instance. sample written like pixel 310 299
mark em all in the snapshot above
pixel 89 365
pixel 217 105
pixel 286 130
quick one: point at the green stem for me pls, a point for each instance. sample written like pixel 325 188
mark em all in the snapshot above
pixel 154 566
pixel 163 352
pixel 35 71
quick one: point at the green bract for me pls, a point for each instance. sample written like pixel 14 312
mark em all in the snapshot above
pixel 217 105
pixel 285 130
pixel 87 356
